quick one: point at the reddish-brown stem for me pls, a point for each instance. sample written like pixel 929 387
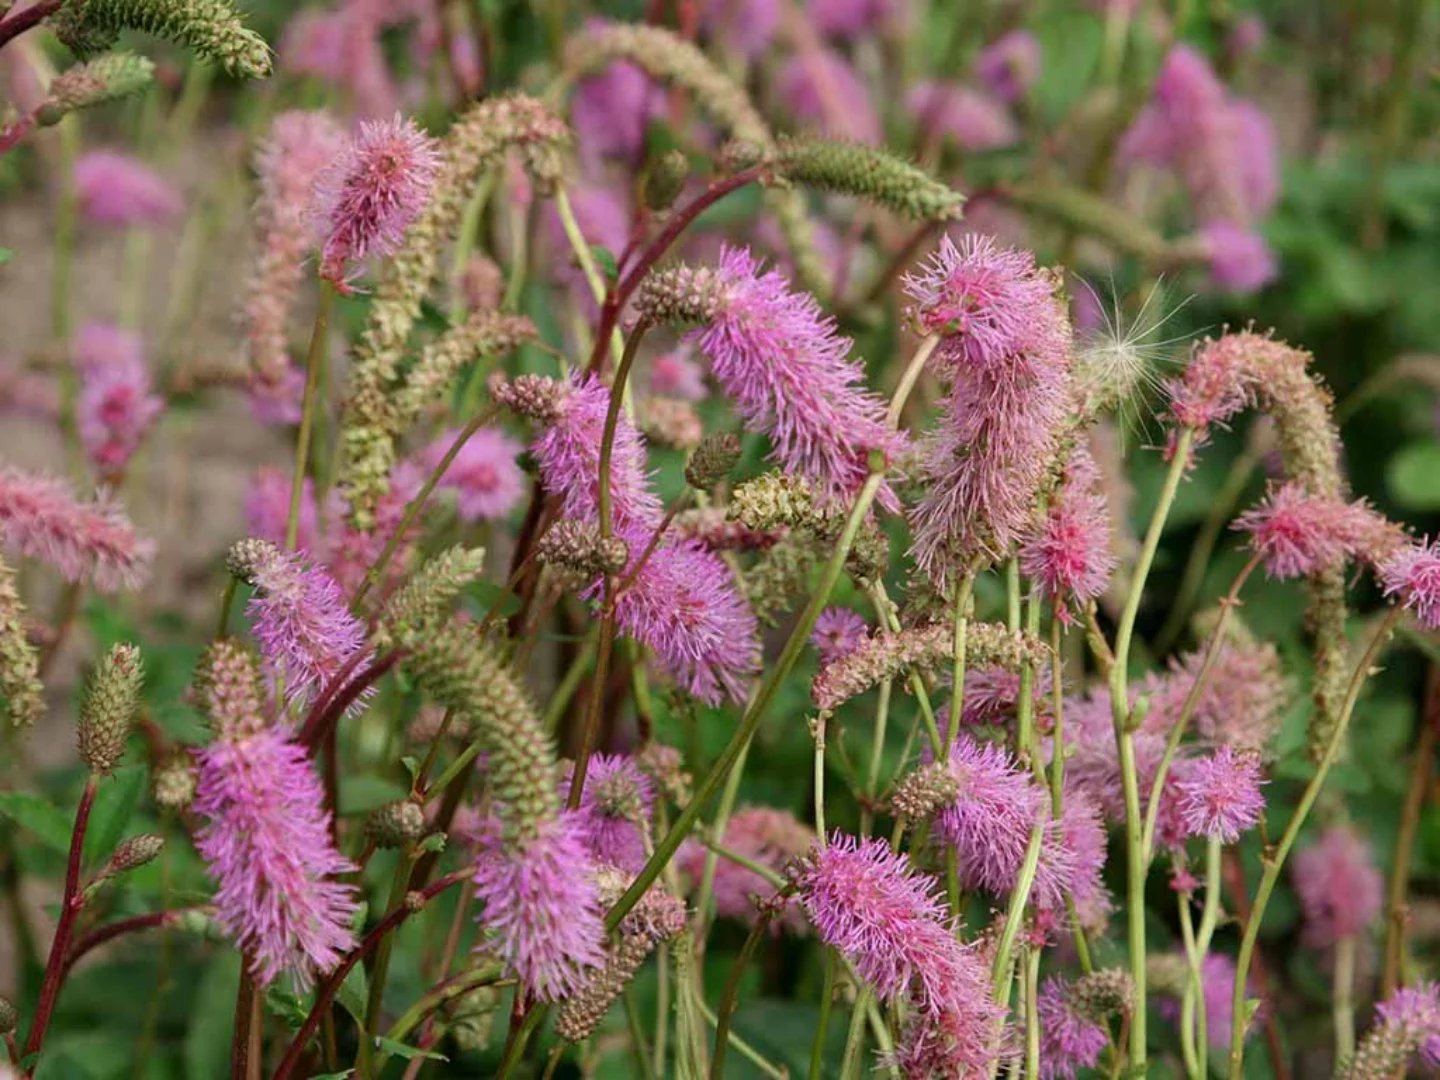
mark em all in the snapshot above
pixel 326 995
pixel 654 542
pixel 325 713
pixel 34 15
pixel 15 132
pixel 619 295
pixel 244 1043
pixel 70 906
pixel 133 925
pixel 330 750
pixel 902 258
pixel 13 1047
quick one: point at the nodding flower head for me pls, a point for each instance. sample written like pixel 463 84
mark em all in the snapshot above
pixel 1297 534
pixel 373 194
pixel 1412 575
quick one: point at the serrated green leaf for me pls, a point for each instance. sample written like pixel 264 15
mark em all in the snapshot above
pixel 115 804
pixel 605 261
pixel 34 814
pixel 408 1053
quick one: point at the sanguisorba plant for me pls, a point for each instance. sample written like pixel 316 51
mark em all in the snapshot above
pixel 992 751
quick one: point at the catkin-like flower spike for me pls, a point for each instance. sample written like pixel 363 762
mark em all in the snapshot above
pixel 1339 886
pixel 299 614
pixel 791 376
pixel 669 58
pixel 40 518
pixel 229 690
pixel 108 707
pixel 476 142
pixel 868 173
pixel 21 694
pixel 300 146
pixel 372 194
pixel 887 656
pixel 712 461
pixel 586 1007
pixel 1407 1022
pixel 578 547
pixel 106 78
pixel 484 333
pixel 266 842
pixel 430 594
pixel 541 912
pixel 210 27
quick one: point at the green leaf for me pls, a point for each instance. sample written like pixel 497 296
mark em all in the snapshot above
pixel 408 1053
pixel 39 817
pixel 335 1076
pixel 605 261
pixel 412 765
pixel 354 994
pixel 212 1018
pixel 115 804
pixel 1413 476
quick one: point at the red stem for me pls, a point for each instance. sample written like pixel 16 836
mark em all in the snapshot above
pixel 70 907
pixel 15 132
pixel 331 986
pixel 93 940
pixel 330 708
pixel 682 219
pixel 21 21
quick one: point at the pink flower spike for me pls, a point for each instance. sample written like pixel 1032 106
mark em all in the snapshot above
pixel 485 476
pixel 1069 554
pixel 616 800
pixel 267 843
pixel 770 837
pixel 974 121
pixel 1412 576
pixel 373 193
pixel 1068 1040
pixel 1413 1012
pixel 116 407
pixel 791 377
pixel 1240 259
pixel 824 92
pixel 539 907
pixel 1298 534
pixel 1219 796
pixel 837 632
pixel 116 189
pixel 1339 887
pixel 305 629
pixel 41 519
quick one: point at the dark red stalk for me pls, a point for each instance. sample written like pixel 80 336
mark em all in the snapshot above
pixel 619 295
pixel 34 15
pixel 153 921
pixel 15 132
pixel 326 711
pixel 70 906
pixel 326 995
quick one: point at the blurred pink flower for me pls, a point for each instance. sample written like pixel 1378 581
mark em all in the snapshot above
pixel 485 476
pixel 611 112
pixel 822 91
pixel 773 838
pixel 673 374
pixel 115 408
pixel 1339 887
pixel 116 189
pixel 746 27
pixel 1010 66
pixel 855 18
pixel 837 632
pixel 972 120
pixel 1240 259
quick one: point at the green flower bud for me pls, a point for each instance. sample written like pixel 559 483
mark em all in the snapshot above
pixel 712 461
pixel 395 824
pixel 665 180
pixel 108 708
pixel 106 78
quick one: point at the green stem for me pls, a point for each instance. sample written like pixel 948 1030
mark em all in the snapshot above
pixel 1343 998
pixel 469 226
pixel 1193 991
pixel 62 249
pixel 1421 769
pixel 586 259
pixel 313 363
pixel 1125 743
pixel 822 1026
pixel 1032 1013
pixel 748 1052
pixel 227 601
pixel 433 999
pixel 1274 863
pixel 1057 737
pixel 819 778
pixel 574 676
pixel 726 1008
pixel 1000 973
pixel 380 971
pixel 717 837
pixel 855 1037
pixel 963 592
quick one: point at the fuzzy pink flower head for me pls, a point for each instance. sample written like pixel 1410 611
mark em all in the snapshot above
pixel 116 189
pixel 278 396
pixel 485 474
pixel 975 122
pixel 1240 259
pixel 1298 534
pixel 866 901
pixel 1010 66
pixel 568 454
pixel 685 608
pixel 303 624
pixel 373 193
pixel 674 375
pixel 962 1035
pixel 990 820
pixel 854 18
pixel 301 147
pixel 540 912
pixel 824 92
pixel 988 303
pixel 40 518
pixel 267 843
pixel 116 406
pixel 614 804
pixel 351 552
pixel 1258 167
pixel 1415 1012
pixel 837 632
pixel 1069 553
pixel 1068 1040
pixel 1217 984
pixel 342 47
pixel 611 112
pixel 992 694
pixel 1340 889
pixel 773 838
pixel 1220 795
pixel 792 378
pixel 1412 576
pixel 267 510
